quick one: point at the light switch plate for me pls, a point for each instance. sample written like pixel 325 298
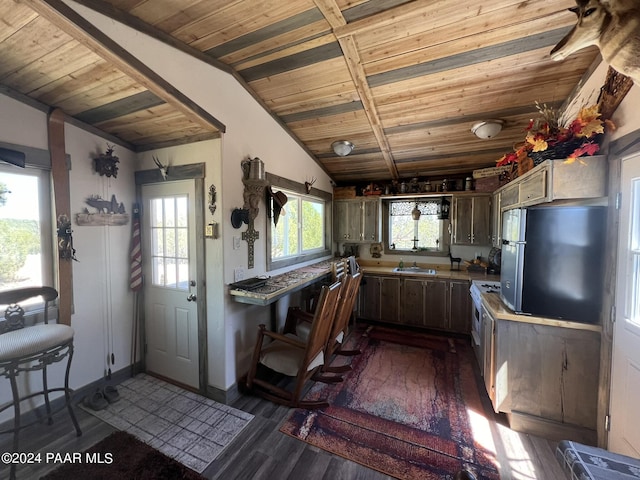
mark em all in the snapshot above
pixel 236 243
pixel 238 274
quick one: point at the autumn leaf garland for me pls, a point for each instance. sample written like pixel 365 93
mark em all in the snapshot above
pixel 544 133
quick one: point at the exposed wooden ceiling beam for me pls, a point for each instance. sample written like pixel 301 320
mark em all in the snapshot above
pixel 332 13
pixel 67 19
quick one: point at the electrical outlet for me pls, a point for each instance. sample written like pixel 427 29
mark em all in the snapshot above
pixel 238 274
pixel 208 231
pixel 236 243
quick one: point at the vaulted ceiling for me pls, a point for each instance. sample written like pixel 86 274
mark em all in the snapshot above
pixel 403 80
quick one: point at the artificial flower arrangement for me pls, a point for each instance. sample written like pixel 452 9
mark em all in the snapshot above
pixel 546 139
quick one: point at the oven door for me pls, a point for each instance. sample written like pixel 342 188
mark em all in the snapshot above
pixel 477 340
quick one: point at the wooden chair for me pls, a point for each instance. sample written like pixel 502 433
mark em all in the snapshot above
pixel 290 356
pixel 300 323
pixel 32 348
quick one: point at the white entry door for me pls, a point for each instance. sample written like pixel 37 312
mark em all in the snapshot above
pixel 624 436
pixel 169 266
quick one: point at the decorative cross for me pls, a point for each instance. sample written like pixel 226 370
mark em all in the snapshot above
pixel 250 235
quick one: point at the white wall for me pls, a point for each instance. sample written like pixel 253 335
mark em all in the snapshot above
pixel 102 303
pixel 250 132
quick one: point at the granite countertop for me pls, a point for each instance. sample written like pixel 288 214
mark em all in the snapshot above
pixel 283 284
pixel 500 311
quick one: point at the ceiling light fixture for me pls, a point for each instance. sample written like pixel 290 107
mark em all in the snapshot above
pixel 342 147
pixel 487 128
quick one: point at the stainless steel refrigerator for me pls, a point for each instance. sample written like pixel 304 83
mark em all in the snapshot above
pixel 552 261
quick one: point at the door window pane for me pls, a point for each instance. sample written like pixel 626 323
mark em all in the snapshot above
pixel 170 242
pixel 633 293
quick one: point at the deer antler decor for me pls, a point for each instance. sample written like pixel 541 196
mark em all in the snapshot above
pixel 309 183
pixel 164 169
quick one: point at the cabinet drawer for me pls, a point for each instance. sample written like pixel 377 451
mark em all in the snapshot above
pixel 534 188
pixel 509 196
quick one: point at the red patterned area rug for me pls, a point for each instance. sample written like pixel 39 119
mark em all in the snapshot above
pixel 410 408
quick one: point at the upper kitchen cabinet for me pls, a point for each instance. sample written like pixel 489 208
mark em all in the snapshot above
pixel 470 220
pixel 556 180
pixel 357 220
pixel 496 221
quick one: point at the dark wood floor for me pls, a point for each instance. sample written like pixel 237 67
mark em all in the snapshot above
pixel 261 451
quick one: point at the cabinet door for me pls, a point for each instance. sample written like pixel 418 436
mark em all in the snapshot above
pixel 462 220
pixel 340 221
pixel 370 221
pixel 459 306
pixel 354 221
pixel 510 196
pixel 413 302
pixel 488 333
pixel 389 299
pixel 496 221
pixel 480 222
pixel 533 189
pixel 370 298
pixel 435 304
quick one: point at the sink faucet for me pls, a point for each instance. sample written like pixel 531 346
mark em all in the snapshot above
pixel 415 265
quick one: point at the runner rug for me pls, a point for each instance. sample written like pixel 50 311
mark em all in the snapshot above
pixel 183 425
pixel 410 408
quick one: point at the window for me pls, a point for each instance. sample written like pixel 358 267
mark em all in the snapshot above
pixel 170 242
pixel 302 232
pixel 403 233
pixel 26 244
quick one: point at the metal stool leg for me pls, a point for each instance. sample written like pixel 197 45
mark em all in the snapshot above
pixel 16 419
pixel 67 395
pixel 45 392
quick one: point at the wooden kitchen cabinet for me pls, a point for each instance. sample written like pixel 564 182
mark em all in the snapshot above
pixel 459 315
pixel 413 304
pixel 542 376
pixel 496 221
pixel 470 220
pixel 435 304
pixel 380 298
pixel 556 180
pixel 356 220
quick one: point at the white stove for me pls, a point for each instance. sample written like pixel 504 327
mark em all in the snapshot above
pixel 478 287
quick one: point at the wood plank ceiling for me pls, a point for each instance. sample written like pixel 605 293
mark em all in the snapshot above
pixel 403 80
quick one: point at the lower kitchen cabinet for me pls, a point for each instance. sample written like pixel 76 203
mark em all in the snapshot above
pixel 436 303
pixel 544 377
pixel 380 298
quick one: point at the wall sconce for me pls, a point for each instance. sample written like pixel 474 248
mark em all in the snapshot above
pixel 487 128
pixel 342 147
pixel 443 209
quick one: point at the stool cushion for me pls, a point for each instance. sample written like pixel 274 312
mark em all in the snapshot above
pixel 30 340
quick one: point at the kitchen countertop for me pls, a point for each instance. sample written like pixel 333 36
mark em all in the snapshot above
pixel 443 271
pixel 280 285
pixel 500 311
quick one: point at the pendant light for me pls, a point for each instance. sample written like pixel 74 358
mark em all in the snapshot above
pixel 415 213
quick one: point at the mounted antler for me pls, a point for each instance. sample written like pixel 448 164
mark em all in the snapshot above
pixel 309 183
pixel 164 169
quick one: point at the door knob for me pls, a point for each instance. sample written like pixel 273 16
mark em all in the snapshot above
pixel 191 298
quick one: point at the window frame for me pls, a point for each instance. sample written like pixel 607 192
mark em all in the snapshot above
pixel 386 230
pixel 315 194
pixel 39 162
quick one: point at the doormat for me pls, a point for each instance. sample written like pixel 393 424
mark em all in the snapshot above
pixel 183 425
pixel 124 458
pixel 410 408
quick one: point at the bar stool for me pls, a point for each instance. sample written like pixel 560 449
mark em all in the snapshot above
pixel 30 349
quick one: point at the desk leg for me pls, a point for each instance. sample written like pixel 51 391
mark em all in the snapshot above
pixel 274 316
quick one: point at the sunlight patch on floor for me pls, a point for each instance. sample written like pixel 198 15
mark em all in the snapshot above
pixel 516 455
pixel 481 430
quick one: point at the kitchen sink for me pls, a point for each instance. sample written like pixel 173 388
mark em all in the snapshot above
pixel 417 270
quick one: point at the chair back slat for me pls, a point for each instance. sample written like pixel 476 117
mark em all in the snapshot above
pixel 322 321
pixel 346 304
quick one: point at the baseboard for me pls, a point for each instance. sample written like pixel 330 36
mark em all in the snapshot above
pixel 551 430
pixel 39 413
pixel 223 396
